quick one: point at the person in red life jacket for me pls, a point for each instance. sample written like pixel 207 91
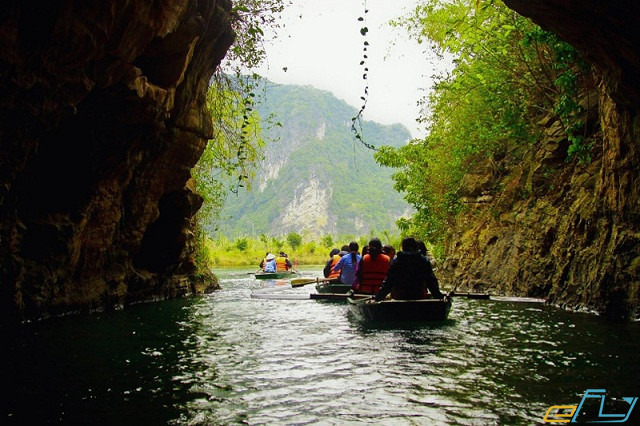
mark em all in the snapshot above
pixel 372 269
pixel 408 274
pixel 283 263
pixel 334 257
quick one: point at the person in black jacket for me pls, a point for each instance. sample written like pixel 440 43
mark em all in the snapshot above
pixel 409 273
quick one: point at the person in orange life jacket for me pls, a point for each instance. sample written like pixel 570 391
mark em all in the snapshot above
pixel 408 274
pixel 343 250
pixel 283 263
pixel 269 263
pixel 372 269
pixel 334 257
pixel 347 264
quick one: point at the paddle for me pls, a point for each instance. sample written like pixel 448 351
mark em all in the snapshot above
pixel 299 282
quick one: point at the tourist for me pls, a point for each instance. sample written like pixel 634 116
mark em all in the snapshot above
pixel 346 266
pixel 334 257
pixel 389 250
pixel 372 269
pixel 422 248
pixel 408 274
pixel 283 263
pixel 269 263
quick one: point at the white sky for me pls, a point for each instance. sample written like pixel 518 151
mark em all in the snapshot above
pixel 321 46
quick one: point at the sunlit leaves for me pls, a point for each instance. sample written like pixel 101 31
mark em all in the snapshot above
pixel 508 75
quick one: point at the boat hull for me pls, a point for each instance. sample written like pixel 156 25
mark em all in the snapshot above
pixel 329 287
pixel 337 297
pixel 402 310
pixel 275 275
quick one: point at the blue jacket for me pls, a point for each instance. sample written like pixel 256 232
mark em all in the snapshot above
pixel 270 266
pixel 347 268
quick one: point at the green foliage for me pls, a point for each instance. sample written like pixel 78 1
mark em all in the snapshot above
pixel 508 74
pixel 294 240
pixel 327 241
pixel 229 159
pixel 247 251
pixel 242 244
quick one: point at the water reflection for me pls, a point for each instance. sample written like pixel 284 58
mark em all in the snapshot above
pixel 228 358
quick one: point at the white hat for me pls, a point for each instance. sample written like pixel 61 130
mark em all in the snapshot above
pixel 271 256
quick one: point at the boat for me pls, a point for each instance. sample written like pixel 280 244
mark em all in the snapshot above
pixel 338 297
pixel 391 310
pixel 274 275
pixel 332 287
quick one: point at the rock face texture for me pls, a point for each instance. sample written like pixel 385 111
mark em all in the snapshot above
pixel 568 232
pixel 102 116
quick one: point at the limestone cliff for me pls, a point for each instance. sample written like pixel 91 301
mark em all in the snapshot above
pixel 101 119
pixel 565 231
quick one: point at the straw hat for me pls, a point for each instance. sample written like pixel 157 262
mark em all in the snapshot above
pixel 271 256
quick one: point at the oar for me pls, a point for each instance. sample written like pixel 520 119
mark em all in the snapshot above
pixel 299 282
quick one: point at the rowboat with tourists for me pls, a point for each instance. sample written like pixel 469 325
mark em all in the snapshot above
pixel 391 310
pixel 276 267
pixel 275 275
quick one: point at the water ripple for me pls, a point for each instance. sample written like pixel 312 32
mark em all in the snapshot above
pixel 289 360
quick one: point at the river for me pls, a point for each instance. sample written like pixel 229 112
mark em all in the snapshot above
pixel 261 352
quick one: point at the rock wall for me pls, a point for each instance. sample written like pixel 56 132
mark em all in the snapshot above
pixel 102 117
pixel 564 231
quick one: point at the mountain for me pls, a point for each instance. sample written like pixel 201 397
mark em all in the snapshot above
pixel 315 177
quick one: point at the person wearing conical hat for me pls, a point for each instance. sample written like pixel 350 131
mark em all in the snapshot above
pixel 268 264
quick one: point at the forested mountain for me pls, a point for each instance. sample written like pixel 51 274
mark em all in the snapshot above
pixel 315 178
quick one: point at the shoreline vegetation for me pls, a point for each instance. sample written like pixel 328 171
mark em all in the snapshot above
pixel 249 251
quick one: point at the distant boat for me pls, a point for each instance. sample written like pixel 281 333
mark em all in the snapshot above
pixel 401 310
pixel 275 275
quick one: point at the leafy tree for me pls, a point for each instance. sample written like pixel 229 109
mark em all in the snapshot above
pixel 229 158
pixel 327 241
pixel 265 240
pixel 508 74
pixel 294 240
pixel 277 243
pixel 242 244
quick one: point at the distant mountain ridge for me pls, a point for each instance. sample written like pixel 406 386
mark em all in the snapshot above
pixel 315 178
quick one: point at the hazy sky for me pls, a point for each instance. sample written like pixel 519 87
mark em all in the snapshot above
pixel 321 46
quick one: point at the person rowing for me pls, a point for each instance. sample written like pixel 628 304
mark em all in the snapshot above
pixel 409 273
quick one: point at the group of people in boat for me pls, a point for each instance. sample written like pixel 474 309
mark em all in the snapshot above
pixel 381 271
pixel 273 263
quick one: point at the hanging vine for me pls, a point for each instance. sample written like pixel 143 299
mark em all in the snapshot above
pixel 356 122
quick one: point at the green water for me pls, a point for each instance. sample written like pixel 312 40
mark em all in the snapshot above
pixel 281 358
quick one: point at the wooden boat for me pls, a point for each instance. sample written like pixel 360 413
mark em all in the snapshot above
pixel 401 310
pixel 274 275
pixel 338 297
pixel 332 287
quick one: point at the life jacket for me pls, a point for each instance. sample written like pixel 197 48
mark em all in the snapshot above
pixel 281 264
pixel 334 260
pixel 373 273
